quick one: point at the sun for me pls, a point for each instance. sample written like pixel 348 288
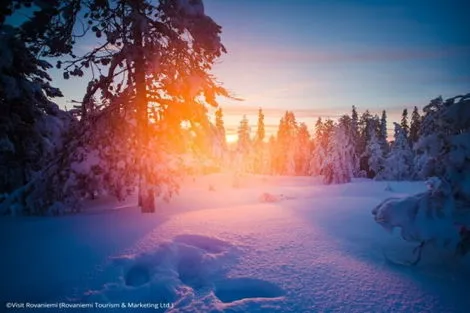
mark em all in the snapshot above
pixel 231 138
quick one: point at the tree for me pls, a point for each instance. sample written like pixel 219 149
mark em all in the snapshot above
pixel 399 163
pixel 404 123
pixel 149 73
pixel 219 125
pixel 429 127
pixel 32 127
pixel 303 150
pixel 244 141
pixel 319 151
pixel 220 138
pixel 383 135
pixel 356 140
pixel 260 131
pixel 259 164
pixel 364 139
pixel 447 148
pixel 415 125
pixel 376 156
pixel 339 163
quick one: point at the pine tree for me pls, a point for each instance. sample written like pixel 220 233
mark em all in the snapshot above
pixel 244 141
pixel 404 123
pixel 219 138
pixel 319 151
pixel 383 133
pixel 260 132
pixel 303 150
pixel 219 124
pixel 415 125
pixel 339 163
pixel 259 162
pixel 282 141
pixel 376 157
pixel 364 138
pixel 399 163
pixel 356 140
pixel 424 158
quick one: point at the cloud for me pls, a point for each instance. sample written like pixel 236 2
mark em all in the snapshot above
pixel 279 55
pixel 240 110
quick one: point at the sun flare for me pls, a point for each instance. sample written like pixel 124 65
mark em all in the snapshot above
pixel 231 138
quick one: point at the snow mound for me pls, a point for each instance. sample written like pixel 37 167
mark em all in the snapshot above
pixel 267 197
pixel 172 270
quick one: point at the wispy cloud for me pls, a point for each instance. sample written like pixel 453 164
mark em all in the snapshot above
pixel 240 110
pixel 279 54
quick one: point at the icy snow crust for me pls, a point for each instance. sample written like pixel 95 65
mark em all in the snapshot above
pixel 313 248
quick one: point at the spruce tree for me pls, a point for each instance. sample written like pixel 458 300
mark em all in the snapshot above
pixel 219 124
pixel 260 131
pixel 356 140
pixel 303 150
pixel 415 125
pixel 383 133
pixel 404 123
pixel 339 162
pixel 259 146
pixel 399 163
pixel 319 150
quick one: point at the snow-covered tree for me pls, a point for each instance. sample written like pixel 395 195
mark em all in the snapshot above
pixel 220 127
pixel 31 125
pixel 259 145
pixel 303 152
pixel 424 154
pixel 150 73
pixel 404 123
pixel 448 148
pixel 318 152
pixel 260 131
pixel 339 163
pixel 399 163
pixel 244 140
pixel 356 140
pixel 383 133
pixel 220 140
pixel 441 214
pixel 415 125
pixel 376 156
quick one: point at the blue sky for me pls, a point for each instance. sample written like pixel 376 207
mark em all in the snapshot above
pixel 318 58
pixel 325 56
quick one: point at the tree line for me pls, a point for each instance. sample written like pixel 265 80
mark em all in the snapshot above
pixel 353 146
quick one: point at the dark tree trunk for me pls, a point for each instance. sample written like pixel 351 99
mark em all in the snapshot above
pixel 146 197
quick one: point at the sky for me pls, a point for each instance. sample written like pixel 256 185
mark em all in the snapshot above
pixel 318 58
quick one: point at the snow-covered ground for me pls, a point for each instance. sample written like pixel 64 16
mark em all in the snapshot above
pixel 275 244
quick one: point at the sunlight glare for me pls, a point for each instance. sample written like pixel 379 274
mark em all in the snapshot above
pixel 231 138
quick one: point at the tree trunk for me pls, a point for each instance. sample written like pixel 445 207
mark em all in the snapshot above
pixel 146 197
